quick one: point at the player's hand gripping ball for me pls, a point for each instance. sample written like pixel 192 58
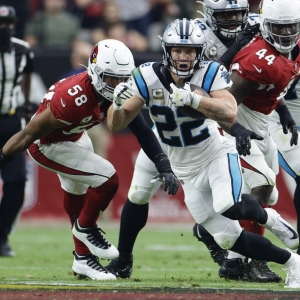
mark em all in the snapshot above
pixel 187 109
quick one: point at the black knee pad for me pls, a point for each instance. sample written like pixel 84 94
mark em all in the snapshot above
pixel 246 209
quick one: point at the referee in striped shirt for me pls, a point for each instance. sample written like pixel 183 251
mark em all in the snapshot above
pixel 16 66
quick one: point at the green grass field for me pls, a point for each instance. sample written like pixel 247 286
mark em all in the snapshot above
pixel 165 256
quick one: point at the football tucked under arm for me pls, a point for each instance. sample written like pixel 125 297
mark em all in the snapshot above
pixel 187 110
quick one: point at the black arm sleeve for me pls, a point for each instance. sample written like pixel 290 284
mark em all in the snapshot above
pixel 229 55
pixel 149 143
pixel 145 137
pixel 243 38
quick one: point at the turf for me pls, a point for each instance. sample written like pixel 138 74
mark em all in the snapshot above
pixel 165 257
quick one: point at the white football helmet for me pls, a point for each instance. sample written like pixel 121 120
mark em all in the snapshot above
pixel 183 32
pixel 279 12
pixel 221 28
pixel 109 58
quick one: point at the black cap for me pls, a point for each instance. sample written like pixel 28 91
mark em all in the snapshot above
pixel 8 13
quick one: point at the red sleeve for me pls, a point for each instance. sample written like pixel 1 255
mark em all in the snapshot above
pixel 59 111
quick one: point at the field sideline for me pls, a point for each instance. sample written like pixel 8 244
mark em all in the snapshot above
pixel 169 263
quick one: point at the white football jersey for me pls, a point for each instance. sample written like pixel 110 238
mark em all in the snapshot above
pixel 215 47
pixel 188 143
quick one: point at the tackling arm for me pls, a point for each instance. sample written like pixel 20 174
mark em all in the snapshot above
pixel 241 87
pixel 125 108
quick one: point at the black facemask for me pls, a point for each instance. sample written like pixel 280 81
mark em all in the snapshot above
pixel 5 35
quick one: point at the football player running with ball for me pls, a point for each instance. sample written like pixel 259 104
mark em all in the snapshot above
pixel 207 162
pixel 56 139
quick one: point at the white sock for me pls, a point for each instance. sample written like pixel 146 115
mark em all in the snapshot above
pixel 291 261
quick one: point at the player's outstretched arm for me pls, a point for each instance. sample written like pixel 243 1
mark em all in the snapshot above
pixel 125 108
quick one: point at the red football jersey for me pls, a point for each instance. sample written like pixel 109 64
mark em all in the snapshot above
pixel 72 101
pixel 262 63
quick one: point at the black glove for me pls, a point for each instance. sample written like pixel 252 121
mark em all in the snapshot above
pixel 170 182
pixel 4 159
pixel 243 138
pixel 27 110
pixel 166 175
pixel 288 123
pixel 246 35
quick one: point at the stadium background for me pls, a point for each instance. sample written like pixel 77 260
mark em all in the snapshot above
pixel 44 195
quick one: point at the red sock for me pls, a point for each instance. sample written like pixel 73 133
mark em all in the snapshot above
pixel 73 205
pixel 253 226
pixel 97 200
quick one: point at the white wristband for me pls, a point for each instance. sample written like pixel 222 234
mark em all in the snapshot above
pixel 196 100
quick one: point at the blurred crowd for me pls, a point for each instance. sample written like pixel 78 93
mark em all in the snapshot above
pixel 59 24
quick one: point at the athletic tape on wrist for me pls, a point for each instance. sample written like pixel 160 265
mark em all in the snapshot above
pixel 196 100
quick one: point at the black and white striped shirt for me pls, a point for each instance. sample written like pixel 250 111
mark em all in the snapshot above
pixel 14 62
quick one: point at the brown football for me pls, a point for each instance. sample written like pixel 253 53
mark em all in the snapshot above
pixel 188 110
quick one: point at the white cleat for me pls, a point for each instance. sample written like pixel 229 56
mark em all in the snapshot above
pixel 281 228
pixel 292 280
pixel 95 241
pixel 89 266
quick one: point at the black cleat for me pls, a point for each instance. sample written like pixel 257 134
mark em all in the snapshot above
pixel 217 253
pixel 5 249
pixel 233 269
pixel 121 266
pixel 258 271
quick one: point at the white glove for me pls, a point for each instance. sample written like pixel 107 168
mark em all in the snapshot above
pixel 121 93
pixel 184 96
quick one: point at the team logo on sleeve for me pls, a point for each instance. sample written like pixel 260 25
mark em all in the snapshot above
pixel 158 94
pixel 226 76
pixel 213 51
